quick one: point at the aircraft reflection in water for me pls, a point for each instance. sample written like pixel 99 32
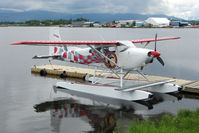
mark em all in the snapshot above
pixel 101 119
pixel 94 113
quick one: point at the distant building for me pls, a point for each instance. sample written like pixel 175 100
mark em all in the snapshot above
pixel 184 23
pixel 124 23
pixel 97 25
pixel 158 22
pixel 78 23
pixel 139 23
pixel 130 23
pixel 179 23
pixel 87 24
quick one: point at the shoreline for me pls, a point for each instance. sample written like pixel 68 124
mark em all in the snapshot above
pixel 191 27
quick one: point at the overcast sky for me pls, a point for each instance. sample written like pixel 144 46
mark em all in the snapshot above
pixel 178 8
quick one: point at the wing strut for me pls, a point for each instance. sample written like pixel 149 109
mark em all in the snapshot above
pixel 120 73
pixel 142 75
pixel 121 78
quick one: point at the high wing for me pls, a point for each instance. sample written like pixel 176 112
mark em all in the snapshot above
pixel 63 43
pixel 110 43
pixel 153 39
pixel 145 85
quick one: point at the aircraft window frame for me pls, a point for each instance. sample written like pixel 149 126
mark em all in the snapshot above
pixel 123 50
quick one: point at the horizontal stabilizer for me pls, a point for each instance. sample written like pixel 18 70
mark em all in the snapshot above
pixel 46 56
pixel 144 85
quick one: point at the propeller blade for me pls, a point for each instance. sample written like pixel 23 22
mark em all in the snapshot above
pixel 155 41
pixel 160 60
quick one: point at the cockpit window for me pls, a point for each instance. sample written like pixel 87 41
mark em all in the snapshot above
pixel 123 48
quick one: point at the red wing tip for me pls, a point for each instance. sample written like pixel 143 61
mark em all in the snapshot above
pixel 15 43
pixel 152 39
pixel 176 37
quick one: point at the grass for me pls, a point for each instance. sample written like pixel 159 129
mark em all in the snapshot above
pixel 185 122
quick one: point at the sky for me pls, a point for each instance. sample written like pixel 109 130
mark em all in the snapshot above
pixel 179 8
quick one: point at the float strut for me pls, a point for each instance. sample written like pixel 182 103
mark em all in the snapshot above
pixel 121 78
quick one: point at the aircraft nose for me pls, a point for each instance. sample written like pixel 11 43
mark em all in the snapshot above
pixel 154 53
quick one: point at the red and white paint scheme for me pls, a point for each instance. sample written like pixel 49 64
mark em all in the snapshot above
pixel 123 54
pixel 121 57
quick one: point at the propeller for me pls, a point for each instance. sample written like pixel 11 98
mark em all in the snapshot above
pixel 160 60
pixel 155 54
pixel 155 49
pixel 155 42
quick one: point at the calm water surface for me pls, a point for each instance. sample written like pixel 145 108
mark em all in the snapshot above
pixel 30 104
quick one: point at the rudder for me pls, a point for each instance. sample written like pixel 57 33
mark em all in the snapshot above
pixel 54 35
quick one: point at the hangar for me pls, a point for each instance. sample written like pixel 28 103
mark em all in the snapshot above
pixel 158 22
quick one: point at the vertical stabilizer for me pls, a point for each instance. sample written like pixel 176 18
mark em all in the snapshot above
pixel 54 35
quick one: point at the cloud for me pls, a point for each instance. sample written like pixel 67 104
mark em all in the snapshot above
pixel 182 8
pixel 11 9
pixel 178 8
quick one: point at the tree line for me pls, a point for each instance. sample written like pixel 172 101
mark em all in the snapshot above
pixel 47 22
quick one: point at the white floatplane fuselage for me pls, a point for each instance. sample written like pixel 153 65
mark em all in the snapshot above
pixel 120 57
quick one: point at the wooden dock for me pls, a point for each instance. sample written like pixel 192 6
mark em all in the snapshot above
pixel 192 86
pixel 77 72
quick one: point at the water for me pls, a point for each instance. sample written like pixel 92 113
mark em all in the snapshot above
pixel 29 103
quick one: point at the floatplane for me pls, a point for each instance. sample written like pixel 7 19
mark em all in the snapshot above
pixel 119 57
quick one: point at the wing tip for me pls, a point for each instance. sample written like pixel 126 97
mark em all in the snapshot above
pixel 15 43
pixel 158 39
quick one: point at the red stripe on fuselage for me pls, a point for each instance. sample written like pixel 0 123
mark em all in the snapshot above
pixel 75 58
pixel 65 55
pixel 55 49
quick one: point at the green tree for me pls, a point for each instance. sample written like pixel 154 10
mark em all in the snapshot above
pixel 113 22
pixel 81 19
pixel 33 22
pixel 46 22
pixel 133 24
pixel 91 25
